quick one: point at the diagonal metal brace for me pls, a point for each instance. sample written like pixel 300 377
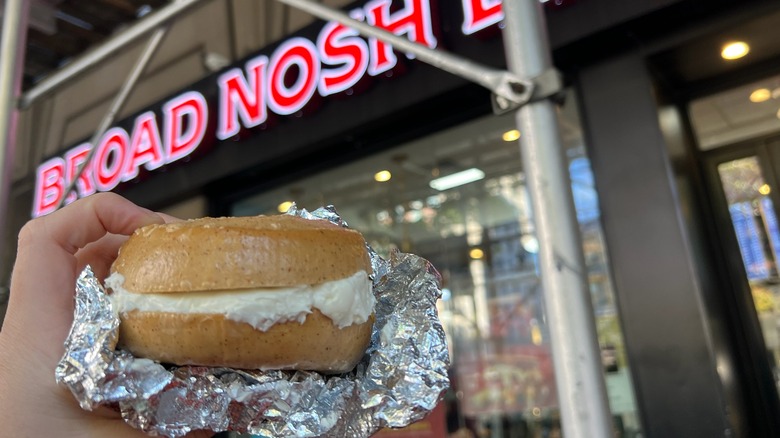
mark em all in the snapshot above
pixel 509 91
pixel 116 106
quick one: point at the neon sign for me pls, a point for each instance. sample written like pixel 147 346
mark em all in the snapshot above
pixel 332 63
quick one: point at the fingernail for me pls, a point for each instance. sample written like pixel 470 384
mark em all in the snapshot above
pixel 152 217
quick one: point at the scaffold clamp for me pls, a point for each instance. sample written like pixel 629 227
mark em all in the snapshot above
pixel 515 92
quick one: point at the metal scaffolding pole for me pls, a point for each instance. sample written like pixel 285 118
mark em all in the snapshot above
pixel 12 45
pixel 582 395
pixel 576 355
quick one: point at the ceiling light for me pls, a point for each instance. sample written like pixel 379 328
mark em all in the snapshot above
pixel 765 189
pixel 457 179
pixel 512 135
pixel 760 95
pixel 382 176
pixel 476 253
pixel 734 50
pixel 284 206
pixel 529 243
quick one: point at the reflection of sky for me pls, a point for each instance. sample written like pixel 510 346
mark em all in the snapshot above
pixel 771 224
pixel 586 201
pixel 749 239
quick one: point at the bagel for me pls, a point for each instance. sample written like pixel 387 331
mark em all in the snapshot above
pixel 265 292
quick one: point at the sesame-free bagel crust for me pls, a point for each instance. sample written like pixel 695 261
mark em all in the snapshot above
pixel 213 340
pixel 239 253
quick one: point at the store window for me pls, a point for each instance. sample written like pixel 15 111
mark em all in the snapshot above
pixel 459 198
pixel 741 128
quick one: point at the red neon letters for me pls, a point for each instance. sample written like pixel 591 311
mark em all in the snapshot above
pixel 480 14
pixel 48 186
pixel 337 62
pixel 119 155
pixel 342 48
pixel 414 20
pixel 190 106
pixel 283 84
pixel 239 98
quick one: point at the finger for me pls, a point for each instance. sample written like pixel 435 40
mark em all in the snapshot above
pixel 168 218
pixel 89 219
pixel 45 271
pixel 100 255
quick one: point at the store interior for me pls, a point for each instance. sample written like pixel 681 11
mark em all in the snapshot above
pixel 459 198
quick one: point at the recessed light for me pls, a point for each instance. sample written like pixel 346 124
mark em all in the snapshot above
pixel 457 179
pixel 760 95
pixel 382 176
pixel 734 50
pixel 284 206
pixel 512 135
pixel 529 243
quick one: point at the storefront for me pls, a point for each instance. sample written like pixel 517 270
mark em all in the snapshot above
pixel 668 155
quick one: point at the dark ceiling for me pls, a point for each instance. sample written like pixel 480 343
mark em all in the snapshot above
pixel 62 29
pixel 697 66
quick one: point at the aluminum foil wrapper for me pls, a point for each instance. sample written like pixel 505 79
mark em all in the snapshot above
pixel 400 379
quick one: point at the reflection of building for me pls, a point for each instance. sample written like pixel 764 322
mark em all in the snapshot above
pixel 649 115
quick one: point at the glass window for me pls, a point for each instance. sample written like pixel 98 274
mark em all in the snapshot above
pixel 459 198
pixel 755 225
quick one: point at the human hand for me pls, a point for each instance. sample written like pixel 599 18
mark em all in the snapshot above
pixel 52 251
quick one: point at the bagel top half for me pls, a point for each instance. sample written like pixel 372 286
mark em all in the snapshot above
pixel 213 254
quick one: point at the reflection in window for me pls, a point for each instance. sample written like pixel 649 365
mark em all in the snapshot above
pixel 752 216
pixel 476 227
pixel 755 225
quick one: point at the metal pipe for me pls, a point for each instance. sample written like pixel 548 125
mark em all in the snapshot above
pixel 582 394
pixel 578 370
pixel 500 82
pixel 111 46
pixel 117 104
pixel 12 48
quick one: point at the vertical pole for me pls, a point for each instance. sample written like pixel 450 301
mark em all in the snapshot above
pixel 12 44
pixel 576 357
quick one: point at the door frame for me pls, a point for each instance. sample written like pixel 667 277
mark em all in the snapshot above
pixel 762 392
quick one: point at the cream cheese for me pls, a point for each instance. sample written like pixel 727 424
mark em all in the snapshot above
pixel 348 301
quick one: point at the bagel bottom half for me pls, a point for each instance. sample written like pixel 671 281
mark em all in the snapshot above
pixel 213 340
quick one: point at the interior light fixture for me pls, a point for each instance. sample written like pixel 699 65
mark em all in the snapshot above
pixel 476 253
pixel 457 179
pixel 734 50
pixel 529 243
pixel 778 114
pixel 512 135
pixel 765 189
pixel 284 206
pixel 760 95
pixel 382 176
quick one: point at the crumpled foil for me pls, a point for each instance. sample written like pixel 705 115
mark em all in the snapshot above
pixel 400 379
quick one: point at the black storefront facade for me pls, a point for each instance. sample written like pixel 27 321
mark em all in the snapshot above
pixel 691 346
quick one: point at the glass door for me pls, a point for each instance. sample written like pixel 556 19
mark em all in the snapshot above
pixel 748 189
